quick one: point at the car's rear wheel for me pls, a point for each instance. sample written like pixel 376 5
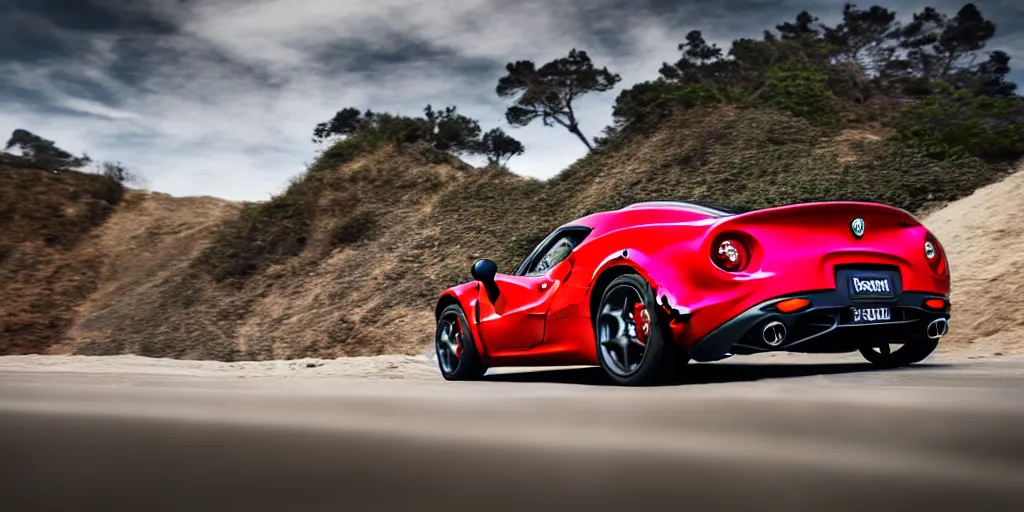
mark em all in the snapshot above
pixel 913 351
pixel 457 357
pixel 634 344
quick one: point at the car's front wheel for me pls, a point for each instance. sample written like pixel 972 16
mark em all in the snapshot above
pixel 634 344
pixel 457 357
pixel 913 351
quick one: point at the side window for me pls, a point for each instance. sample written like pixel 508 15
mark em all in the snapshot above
pixel 552 250
pixel 558 252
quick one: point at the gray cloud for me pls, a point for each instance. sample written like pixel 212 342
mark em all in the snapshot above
pixel 219 97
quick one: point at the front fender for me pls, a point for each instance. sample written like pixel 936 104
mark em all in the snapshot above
pixel 467 296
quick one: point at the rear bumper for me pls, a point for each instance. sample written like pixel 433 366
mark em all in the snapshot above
pixel 824 326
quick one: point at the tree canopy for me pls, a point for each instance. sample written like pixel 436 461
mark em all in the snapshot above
pixel 346 122
pixel 449 131
pixel 44 153
pixel 805 67
pixel 549 92
pixel 444 130
pixel 499 147
pixel 863 36
pixel 119 172
pixel 815 71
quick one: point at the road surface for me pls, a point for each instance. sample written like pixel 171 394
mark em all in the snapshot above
pixel 787 433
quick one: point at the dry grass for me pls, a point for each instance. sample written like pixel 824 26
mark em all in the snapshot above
pixel 44 273
pixel 148 290
pixel 849 144
pixel 368 248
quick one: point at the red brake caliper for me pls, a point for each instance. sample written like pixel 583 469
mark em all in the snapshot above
pixel 642 319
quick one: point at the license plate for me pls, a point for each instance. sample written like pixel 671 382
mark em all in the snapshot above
pixel 871 286
pixel 871 315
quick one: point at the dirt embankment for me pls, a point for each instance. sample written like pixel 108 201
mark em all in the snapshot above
pixel 46 270
pixel 147 247
pixel 368 246
pixel 342 295
pixel 983 235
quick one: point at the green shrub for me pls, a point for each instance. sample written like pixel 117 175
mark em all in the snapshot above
pixel 106 189
pixel 344 151
pixel 750 158
pixel 265 233
pixel 634 103
pixel 962 123
pixel 801 92
pixel 270 232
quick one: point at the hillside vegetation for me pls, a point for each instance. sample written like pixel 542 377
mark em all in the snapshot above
pixel 370 244
pixel 350 258
pixel 44 274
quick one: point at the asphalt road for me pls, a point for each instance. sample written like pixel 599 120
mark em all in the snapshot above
pixel 797 435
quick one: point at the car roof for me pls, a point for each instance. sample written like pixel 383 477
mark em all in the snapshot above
pixel 650 212
pixel 704 208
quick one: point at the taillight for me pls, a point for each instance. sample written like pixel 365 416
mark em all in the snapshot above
pixel 935 255
pixel 729 254
pixel 791 305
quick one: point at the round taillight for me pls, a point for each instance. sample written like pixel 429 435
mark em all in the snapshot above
pixel 935 256
pixel 730 255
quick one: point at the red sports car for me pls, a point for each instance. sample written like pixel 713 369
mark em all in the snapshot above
pixel 642 290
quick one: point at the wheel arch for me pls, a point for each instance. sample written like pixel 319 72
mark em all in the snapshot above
pixel 668 355
pixel 666 282
pixel 448 299
pixel 604 279
pixel 464 296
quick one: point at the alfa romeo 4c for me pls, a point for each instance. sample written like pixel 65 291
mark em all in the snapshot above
pixel 643 290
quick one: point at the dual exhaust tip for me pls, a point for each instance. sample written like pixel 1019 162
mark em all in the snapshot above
pixel 937 328
pixel 774 333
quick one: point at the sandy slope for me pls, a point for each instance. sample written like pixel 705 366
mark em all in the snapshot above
pixel 420 367
pixel 150 242
pixel 983 235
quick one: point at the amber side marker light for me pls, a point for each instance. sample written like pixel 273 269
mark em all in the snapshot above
pixel 935 304
pixel 791 305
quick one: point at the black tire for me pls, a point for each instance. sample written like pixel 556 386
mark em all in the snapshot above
pixel 662 359
pixel 911 352
pixel 463 364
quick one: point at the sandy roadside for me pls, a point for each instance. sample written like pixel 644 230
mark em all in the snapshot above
pixel 390 367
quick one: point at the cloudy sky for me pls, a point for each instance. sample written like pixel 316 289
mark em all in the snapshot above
pixel 219 97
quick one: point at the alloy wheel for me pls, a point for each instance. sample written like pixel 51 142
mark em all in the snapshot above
pixel 623 328
pixel 448 342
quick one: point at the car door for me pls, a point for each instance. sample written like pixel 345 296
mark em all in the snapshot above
pixel 515 320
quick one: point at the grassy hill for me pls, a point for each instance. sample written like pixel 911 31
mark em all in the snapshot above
pixel 350 259
pixel 44 273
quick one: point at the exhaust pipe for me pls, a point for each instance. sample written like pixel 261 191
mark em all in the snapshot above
pixel 773 334
pixel 937 328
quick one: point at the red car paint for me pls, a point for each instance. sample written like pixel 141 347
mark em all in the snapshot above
pixel 547 319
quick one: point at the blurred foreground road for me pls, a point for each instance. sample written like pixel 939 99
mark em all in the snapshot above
pixel 799 433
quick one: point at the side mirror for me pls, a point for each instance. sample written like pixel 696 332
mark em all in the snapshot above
pixel 484 271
